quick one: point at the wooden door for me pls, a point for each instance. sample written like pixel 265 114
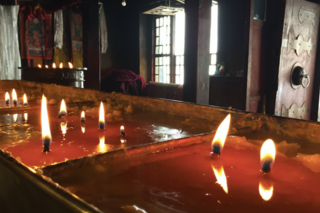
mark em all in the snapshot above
pixel 298 52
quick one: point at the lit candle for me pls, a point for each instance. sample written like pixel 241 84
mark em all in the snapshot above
pixel 265 189
pixel 63 126
pixel 25 115
pixel 70 65
pixel 7 98
pixel 46 134
pixel 101 117
pixel 25 101
pixel 61 65
pixel 53 65
pixel 220 176
pixel 267 155
pixel 39 65
pixel 122 131
pixel 14 98
pixel 63 109
pixel 221 135
pixel 83 117
pixel 15 117
pixel 46 66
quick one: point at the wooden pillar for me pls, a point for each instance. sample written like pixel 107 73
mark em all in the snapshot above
pixel 91 44
pixel 196 57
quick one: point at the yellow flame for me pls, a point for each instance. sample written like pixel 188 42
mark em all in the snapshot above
pixel 15 117
pixel 83 129
pixel 63 126
pixel 82 114
pixel 7 97
pixel 25 101
pixel 53 65
pixel 122 128
pixel 39 65
pixel 61 65
pixel 101 114
pixel 122 140
pixel 46 66
pixel 63 108
pixel 266 193
pixel 25 116
pixel 222 132
pixel 221 177
pixel 70 65
pixel 102 145
pixel 268 152
pixel 46 133
pixel 14 95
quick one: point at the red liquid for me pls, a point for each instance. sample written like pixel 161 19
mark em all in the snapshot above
pixel 182 180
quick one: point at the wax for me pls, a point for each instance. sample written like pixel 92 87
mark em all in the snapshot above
pixel 183 180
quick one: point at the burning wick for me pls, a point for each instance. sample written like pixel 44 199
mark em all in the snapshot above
pixel 46 66
pixel 83 117
pixel 7 98
pixel 221 135
pixel 25 101
pixel 25 117
pixel 70 65
pixel 61 65
pixel 39 65
pixel 46 133
pixel 101 117
pixel 15 117
pixel 63 109
pixel 53 65
pixel 267 155
pixel 122 131
pixel 14 98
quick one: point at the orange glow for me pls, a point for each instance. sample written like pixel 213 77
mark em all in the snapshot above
pixel 70 65
pixel 267 154
pixel 45 127
pixel 14 95
pixel 63 108
pixel 101 115
pixel 265 192
pixel 221 134
pixel 54 65
pixel 39 65
pixel 25 101
pixel 25 115
pixel 83 115
pixel 102 145
pixel 61 65
pixel 221 177
pixel 83 129
pixel 7 96
pixel 15 117
pixel 63 126
pixel 122 128
pixel 46 66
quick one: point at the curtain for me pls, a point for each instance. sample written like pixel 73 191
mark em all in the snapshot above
pixel 9 43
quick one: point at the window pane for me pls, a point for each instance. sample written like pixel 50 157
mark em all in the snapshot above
pixel 157 78
pixel 157 22
pixel 161 77
pixel 213 58
pixel 161 21
pixel 168 79
pixel 177 79
pixel 212 69
pixel 157 61
pixel 157 70
pixel 160 49
pixel 157 41
pixel 165 21
pixel 160 60
pixel 214 29
pixel 157 31
pixel 157 50
pixel 179 33
pixel 177 70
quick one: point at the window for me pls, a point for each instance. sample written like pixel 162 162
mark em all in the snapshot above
pixel 168 61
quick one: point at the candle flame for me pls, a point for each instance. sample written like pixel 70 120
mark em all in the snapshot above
pixel 83 129
pixel 39 65
pixel 14 95
pixel 83 115
pixel 7 97
pixel 63 108
pixel 265 192
pixel 70 65
pixel 15 117
pixel 102 145
pixel 221 177
pixel 25 116
pixel 101 114
pixel 53 65
pixel 63 126
pixel 221 134
pixel 61 65
pixel 25 101
pixel 267 153
pixel 122 128
pixel 46 133
pixel 122 140
pixel 46 66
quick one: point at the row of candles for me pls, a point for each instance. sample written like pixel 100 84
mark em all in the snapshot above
pixel 15 99
pixel 54 65
pixel 267 158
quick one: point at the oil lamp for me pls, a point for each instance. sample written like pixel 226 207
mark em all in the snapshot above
pixel 14 98
pixel 83 117
pixel 101 117
pixel 39 65
pixel 63 109
pixel 221 176
pixel 53 65
pixel 25 115
pixel 25 101
pixel 7 98
pixel 221 135
pixel 46 133
pixel 70 65
pixel 267 155
pixel 122 131
pixel 15 117
pixel 61 65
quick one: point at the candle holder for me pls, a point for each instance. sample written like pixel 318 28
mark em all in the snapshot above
pixel 7 103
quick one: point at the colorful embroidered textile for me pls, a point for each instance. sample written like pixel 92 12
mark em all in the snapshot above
pixel 76 39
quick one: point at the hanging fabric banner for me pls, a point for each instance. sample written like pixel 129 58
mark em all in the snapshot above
pixel 58 29
pixel 103 30
pixel 9 43
pixel 76 39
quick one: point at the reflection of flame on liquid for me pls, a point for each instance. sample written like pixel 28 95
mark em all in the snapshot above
pixel 63 126
pixel 45 128
pixel 83 129
pixel 25 115
pixel 15 117
pixel 61 65
pixel 221 177
pixel 25 101
pixel 266 189
pixel 70 65
pixel 221 135
pixel 63 108
pixel 102 145
pixel 54 65
pixel 39 65
pixel 267 155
